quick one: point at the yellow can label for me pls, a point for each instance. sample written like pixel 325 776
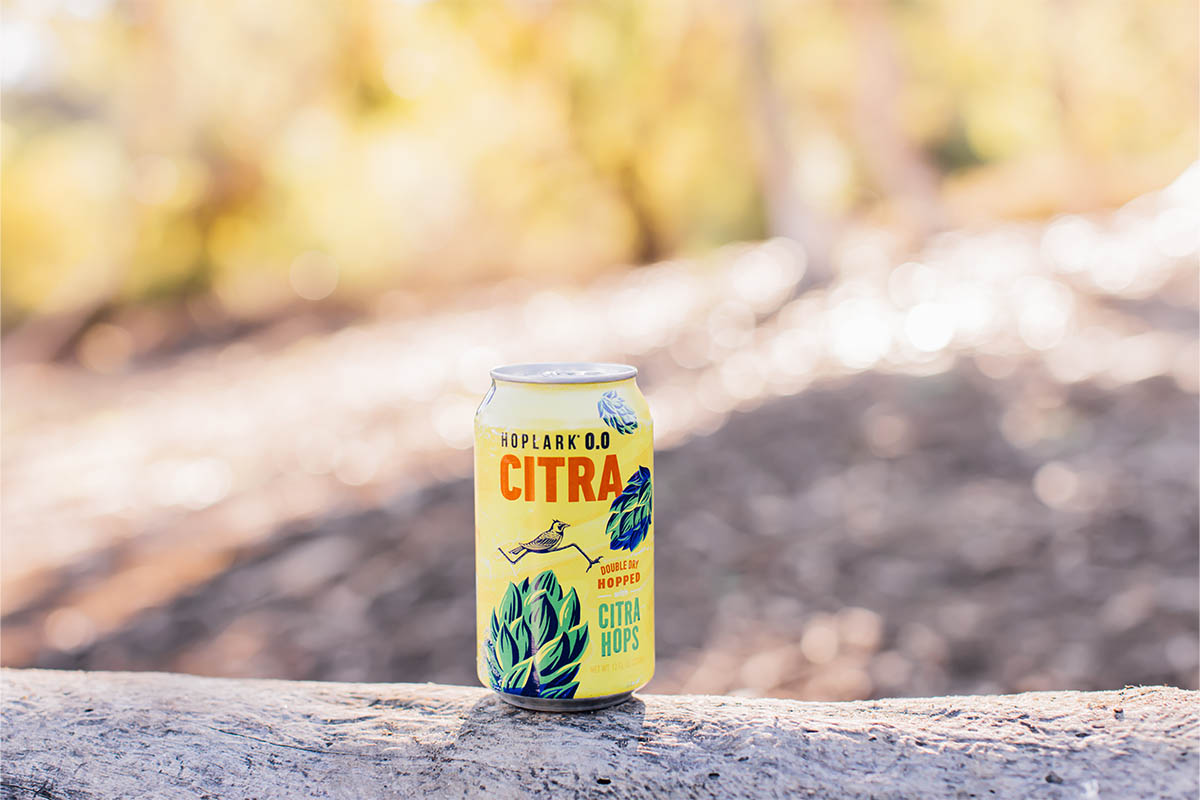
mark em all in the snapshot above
pixel 564 539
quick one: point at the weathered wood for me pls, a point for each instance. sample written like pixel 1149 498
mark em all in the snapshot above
pixel 149 735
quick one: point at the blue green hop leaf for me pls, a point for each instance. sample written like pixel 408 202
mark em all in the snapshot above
pixel 630 513
pixel 616 413
pixel 536 640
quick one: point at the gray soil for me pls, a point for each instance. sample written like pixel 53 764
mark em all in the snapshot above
pixel 875 535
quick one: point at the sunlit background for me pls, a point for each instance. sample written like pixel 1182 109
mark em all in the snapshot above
pixel 912 287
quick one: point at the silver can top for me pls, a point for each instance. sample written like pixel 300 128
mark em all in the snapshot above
pixel 564 372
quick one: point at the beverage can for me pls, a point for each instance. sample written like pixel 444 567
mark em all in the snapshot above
pixel 564 535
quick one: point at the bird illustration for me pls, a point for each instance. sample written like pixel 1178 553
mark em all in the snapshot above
pixel 548 541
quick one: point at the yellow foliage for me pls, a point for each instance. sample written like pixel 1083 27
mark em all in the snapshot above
pixel 167 148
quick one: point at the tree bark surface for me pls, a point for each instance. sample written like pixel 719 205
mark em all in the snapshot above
pixel 152 735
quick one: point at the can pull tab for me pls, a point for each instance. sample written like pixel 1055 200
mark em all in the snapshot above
pixel 565 372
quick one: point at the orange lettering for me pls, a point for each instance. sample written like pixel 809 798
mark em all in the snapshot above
pixel 580 472
pixel 530 486
pixel 551 465
pixel 506 489
pixel 610 478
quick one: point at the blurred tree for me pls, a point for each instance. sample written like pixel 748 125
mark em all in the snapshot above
pixel 900 169
pixel 156 150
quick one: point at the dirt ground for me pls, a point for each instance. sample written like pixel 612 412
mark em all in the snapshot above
pixel 1012 511
pixel 805 549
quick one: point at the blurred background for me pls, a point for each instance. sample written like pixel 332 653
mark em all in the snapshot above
pixel 911 284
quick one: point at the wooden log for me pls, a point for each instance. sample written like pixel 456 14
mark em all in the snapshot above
pixel 69 735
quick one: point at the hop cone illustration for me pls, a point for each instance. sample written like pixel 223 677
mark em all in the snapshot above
pixel 629 515
pixel 616 413
pixel 535 640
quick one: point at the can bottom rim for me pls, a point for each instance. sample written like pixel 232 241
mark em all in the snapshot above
pixel 567 705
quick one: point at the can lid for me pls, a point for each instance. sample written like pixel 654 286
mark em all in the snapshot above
pixel 564 372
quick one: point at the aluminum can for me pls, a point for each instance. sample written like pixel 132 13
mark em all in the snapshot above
pixel 564 536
